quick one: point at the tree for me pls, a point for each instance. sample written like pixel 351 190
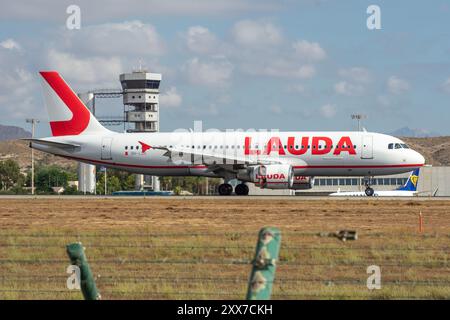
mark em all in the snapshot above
pixel 113 184
pixel 50 176
pixel 9 174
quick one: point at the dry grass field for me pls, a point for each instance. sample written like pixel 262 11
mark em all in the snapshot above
pixel 175 248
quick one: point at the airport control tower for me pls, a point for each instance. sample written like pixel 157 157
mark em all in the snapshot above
pixel 141 100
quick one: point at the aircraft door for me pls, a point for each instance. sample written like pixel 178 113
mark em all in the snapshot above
pixel 367 147
pixel 106 148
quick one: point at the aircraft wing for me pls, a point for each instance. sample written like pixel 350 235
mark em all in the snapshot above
pixel 55 144
pixel 214 161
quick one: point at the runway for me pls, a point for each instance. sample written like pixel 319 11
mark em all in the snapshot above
pixel 233 197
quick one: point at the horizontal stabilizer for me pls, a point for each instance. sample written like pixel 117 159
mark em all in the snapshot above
pixel 55 144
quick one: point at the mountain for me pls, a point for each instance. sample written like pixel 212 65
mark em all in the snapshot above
pixel 414 133
pixel 20 151
pixel 12 133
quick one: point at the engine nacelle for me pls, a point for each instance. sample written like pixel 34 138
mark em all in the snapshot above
pixel 274 176
pixel 303 183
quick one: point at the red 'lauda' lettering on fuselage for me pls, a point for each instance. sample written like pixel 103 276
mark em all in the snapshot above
pixel 274 144
pixel 274 176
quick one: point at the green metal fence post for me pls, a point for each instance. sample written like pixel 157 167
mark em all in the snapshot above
pixel 87 282
pixel 264 264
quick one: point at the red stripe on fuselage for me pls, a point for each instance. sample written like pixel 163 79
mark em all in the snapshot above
pixel 204 167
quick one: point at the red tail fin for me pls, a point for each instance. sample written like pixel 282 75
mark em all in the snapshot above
pixel 67 113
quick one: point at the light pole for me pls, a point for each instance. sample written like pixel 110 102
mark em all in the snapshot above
pixel 33 122
pixel 359 117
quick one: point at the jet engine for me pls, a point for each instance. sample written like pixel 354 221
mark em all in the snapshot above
pixel 303 183
pixel 272 176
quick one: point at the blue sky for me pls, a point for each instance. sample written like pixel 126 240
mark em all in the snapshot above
pixel 288 65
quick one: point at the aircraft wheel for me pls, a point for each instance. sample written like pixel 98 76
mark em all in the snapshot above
pixel 241 189
pixel 369 192
pixel 225 189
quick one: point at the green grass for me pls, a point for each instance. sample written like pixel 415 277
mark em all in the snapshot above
pixel 198 267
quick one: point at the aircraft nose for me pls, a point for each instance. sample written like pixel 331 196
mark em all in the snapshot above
pixel 417 158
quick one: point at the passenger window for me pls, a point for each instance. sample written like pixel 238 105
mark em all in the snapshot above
pixel 131 147
pixel 390 146
pixel 126 147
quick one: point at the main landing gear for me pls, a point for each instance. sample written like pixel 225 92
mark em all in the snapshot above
pixel 369 191
pixel 226 189
pixel 241 189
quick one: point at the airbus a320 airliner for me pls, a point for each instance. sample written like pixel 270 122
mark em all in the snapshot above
pixel 281 160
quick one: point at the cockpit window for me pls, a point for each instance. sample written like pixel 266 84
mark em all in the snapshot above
pixel 398 146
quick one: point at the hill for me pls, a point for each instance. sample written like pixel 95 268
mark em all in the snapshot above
pixel 13 132
pixel 436 150
pixel 414 133
pixel 20 151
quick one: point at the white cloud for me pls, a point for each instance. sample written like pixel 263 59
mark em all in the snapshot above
pixel 348 89
pixel 328 111
pixel 125 38
pixel 87 73
pixel 171 98
pixel 200 40
pixel 10 44
pixel 397 85
pixel 213 73
pixel 104 10
pixel 310 51
pixel 18 87
pixel 356 74
pixel 250 33
pixel 446 86
pixel 280 69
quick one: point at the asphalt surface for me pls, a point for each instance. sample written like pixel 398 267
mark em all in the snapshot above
pixel 237 198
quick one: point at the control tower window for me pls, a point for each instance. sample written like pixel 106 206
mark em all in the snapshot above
pixel 139 84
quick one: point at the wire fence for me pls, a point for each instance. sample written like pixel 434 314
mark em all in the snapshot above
pixel 217 264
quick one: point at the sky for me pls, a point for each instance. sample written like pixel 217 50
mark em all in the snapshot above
pixel 286 65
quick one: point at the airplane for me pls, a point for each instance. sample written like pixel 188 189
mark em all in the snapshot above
pixel 409 189
pixel 280 160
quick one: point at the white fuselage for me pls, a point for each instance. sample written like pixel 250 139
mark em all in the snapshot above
pixel 383 193
pixel 309 153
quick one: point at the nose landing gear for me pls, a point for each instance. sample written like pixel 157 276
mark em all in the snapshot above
pixel 369 191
